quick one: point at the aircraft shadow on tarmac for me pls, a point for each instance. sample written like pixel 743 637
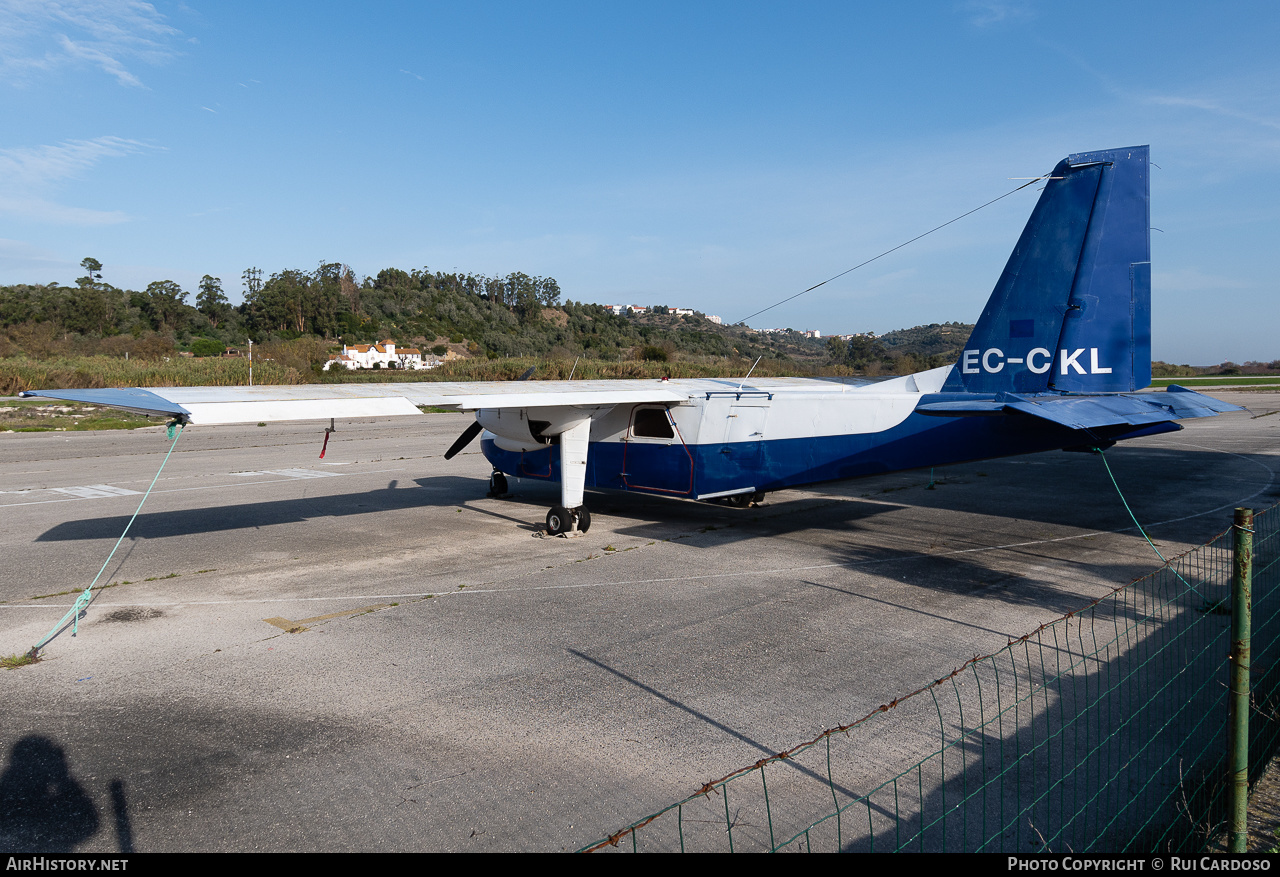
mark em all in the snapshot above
pixel 1061 489
pixel 1065 587
pixel 1091 735
pixel 439 491
pixel 1056 488
pixel 1113 753
pixel 1100 756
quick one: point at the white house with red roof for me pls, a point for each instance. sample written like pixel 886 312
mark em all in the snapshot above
pixel 384 355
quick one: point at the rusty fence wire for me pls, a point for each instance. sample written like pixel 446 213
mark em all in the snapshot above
pixel 1105 730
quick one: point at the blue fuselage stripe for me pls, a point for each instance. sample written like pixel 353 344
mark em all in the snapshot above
pixel 917 442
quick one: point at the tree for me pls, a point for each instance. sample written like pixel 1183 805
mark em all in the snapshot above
pixel 165 303
pixel 860 352
pixel 92 269
pixel 548 292
pixel 211 302
pixel 252 278
pixel 293 302
pixel 350 289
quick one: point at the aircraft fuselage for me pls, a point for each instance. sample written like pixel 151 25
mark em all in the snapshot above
pixel 723 441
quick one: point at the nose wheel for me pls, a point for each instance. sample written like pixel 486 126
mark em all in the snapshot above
pixel 561 520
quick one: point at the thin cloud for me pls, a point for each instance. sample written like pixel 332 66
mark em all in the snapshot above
pixel 45 211
pixel 36 35
pixel 27 174
pixel 1217 107
pixel 985 13
pixel 21 255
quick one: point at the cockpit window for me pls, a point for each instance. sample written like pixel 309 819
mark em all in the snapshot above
pixel 651 423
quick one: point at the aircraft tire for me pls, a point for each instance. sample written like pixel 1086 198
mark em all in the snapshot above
pixel 558 520
pixel 584 519
pixel 497 484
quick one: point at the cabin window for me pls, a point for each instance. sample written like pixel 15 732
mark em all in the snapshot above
pixel 651 423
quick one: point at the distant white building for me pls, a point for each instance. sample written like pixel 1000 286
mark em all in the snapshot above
pixel 385 354
pixel 671 309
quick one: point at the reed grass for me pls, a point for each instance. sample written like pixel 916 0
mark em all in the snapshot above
pixel 94 372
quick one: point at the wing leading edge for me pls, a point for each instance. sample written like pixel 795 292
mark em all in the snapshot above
pixel 221 405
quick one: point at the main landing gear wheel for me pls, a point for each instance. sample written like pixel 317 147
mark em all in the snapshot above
pixel 497 484
pixel 561 520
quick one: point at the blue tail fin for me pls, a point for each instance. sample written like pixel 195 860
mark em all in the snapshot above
pixel 1072 309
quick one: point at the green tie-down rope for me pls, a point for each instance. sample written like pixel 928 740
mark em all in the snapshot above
pixel 82 602
pixel 1134 518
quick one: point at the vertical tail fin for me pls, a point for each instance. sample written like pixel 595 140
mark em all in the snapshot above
pixel 1072 309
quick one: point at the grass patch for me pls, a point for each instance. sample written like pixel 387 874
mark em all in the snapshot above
pixel 26 416
pixel 1221 381
pixel 13 662
pixel 77 591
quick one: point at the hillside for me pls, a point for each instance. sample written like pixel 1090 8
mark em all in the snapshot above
pixel 473 315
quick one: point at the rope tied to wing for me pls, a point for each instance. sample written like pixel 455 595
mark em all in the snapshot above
pixel 173 433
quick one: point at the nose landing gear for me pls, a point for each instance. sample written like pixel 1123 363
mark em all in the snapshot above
pixel 497 484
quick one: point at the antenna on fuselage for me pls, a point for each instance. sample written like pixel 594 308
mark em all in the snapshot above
pixel 750 370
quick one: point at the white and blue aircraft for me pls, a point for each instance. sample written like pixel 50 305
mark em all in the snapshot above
pixel 1052 363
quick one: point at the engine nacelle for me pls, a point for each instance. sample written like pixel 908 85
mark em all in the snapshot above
pixel 513 429
pixel 532 429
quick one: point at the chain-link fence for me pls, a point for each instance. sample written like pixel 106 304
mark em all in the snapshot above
pixel 1103 730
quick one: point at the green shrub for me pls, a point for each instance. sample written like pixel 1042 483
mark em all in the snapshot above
pixel 207 347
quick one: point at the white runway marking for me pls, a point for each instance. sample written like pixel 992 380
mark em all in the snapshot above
pixel 300 473
pixel 289 473
pixel 94 491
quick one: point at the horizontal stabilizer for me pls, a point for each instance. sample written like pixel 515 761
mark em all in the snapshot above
pixel 1085 412
pixel 1088 412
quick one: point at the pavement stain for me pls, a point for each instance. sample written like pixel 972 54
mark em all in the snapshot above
pixel 300 626
pixel 132 613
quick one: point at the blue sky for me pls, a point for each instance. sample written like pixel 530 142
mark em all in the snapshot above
pixel 721 156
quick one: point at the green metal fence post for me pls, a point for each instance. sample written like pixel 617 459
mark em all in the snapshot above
pixel 1238 732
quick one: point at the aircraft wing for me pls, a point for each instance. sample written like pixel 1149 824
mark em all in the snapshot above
pixel 215 405
pixel 1087 411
